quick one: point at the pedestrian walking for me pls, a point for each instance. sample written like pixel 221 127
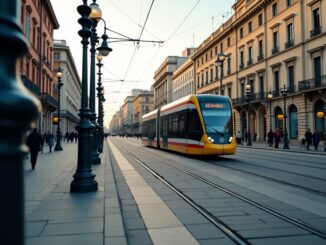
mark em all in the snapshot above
pixel 277 136
pixel 50 141
pixel 238 137
pixel 34 142
pixel 308 136
pixel 270 138
pixel 316 140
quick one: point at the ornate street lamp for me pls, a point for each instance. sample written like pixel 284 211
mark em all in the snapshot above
pixel 248 94
pixel 220 61
pixel 18 109
pixel 270 97
pixel 284 93
pixel 58 146
pixel 84 178
pixel 95 16
pixel 100 91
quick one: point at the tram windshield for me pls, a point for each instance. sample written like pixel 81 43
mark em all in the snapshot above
pixel 217 117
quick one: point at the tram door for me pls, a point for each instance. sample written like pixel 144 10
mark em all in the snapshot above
pixel 165 132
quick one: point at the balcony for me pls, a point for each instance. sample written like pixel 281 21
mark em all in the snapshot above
pixel 241 66
pixel 275 50
pixel 31 86
pixel 48 100
pixel 313 83
pixel 316 31
pixel 289 43
pixel 260 57
pixel 257 97
pixel 249 62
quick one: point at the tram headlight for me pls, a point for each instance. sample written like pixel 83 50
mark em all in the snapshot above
pixel 230 140
pixel 210 139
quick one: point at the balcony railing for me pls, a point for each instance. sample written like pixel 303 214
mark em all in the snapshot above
pixel 249 62
pixel 289 44
pixel 31 86
pixel 316 31
pixel 275 50
pixel 261 96
pixel 48 99
pixel 241 66
pixel 317 82
pixel 260 57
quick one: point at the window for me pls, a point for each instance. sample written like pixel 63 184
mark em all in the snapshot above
pixel 229 65
pixel 206 76
pixel 202 79
pixel 198 81
pixel 206 57
pixel 211 53
pixel 34 34
pixel 260 19
pixel 28 26
pixel 261 86
pixel 293 120
pixel 241 58
pixel 252 89
pixel 221 46
pixel 197 63
pixel 274 9
pixel 241 32
pixel 289 2
pixel 242 90
pixel 277 83
pixel 229 91
pixel 260 49
pixel 216 72
pixel 291 78
pixel 275 37
pixel 289 30
pixel 211 78
pixel 250 55
pixel 228 42
pixel 316 18
pixel 250 27
pixel 215 50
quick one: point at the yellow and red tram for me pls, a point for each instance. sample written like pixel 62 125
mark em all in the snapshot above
pixel 201 124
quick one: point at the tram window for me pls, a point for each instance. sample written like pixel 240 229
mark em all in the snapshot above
pixel 170 125
pixel 174 124
pixel 181 127
pixel 195 131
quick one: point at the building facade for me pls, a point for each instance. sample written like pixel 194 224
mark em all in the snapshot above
pixel 37 68
pixel 163 89
pixel 269 44
pixel 183 80
pixel 142 104
pixel 70 99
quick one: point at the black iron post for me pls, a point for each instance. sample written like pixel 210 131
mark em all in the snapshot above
pixel 100 110
pixel 284 92
pixel 270 97
pixel 84 178
pixel 220 61
pixel 58 146
pixel 18 109
pixel 248 93
pixel 95 17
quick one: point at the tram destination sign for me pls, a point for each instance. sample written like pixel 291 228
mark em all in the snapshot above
pixel 213 106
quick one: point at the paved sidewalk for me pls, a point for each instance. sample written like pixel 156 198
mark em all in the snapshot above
pixel 293 147
pixel 55 216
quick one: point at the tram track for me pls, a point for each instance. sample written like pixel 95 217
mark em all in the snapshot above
pixel 235 236
pixel 276 180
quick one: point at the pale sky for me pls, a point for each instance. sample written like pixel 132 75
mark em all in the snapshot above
pixel 179 23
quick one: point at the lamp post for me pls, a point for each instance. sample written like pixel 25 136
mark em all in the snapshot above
pixel 220 61
pixel 58 146
pixel 100 92
pixel 248 93
pixel 84 178
pixel 270 97
pixel 284 92
pixel 18 109
pixel 95 16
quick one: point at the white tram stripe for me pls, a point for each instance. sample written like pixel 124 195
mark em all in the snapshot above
pixel 163 226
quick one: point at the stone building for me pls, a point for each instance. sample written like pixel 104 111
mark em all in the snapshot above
pixel 37 71
pixel 70 99
pixel 142 104
pixel 163 80
pixel 269 44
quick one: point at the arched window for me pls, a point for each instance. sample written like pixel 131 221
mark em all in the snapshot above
pixel 293 122
pixel 278 123
pixel 319 122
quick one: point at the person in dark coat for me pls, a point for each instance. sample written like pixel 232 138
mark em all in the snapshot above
pixel 270 137
pixel 50 141
pixel 277 136
pixel 308 136
pixel 34 142
pixel 316 139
